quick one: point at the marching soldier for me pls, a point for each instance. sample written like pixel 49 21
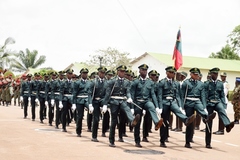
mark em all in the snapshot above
pixel 117 95
pixel 80 98
pixel 169 99
pixel 96 92
pixel 26 94
pixel 49 98
pixel 34 95
pixel 216 102
pixel 144 97
pixel 42 96
pixel 236 101
pixel 66 96
pixel 106 115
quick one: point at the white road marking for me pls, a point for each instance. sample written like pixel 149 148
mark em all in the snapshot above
pixel 230 144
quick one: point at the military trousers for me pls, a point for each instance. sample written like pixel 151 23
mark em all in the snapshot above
pixel 79 117
pixel 64 111
pixel 58 113
pixel 50 111
pixel 42 107
pixel 190 107
pixel 33 107
pixel 96 114
pixel 105 122
pixel 171 106
pixel 149 107
pixel 115 108
pixel 25 103
pixel 219 108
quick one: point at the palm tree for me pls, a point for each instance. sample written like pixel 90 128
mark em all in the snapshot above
pixel 5 53
pixel 24 61
pixel 226 53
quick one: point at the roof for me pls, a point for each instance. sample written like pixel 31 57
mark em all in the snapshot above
pixel 199 62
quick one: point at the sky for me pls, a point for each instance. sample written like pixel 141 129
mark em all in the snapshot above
pixel 68 31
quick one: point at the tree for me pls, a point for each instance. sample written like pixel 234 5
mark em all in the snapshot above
pixel 234 39
pixel 6 53
pixel 226 52
pixel 110 58
pixel 23 61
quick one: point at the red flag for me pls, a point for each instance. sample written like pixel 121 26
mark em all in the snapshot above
pixel 177 53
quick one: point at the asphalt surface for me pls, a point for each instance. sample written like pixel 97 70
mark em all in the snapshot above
pixel 24 139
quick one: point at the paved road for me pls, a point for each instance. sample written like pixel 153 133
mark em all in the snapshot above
pixel 25 139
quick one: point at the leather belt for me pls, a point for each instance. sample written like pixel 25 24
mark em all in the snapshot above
pixel 83 96
pixel 168 97
pixel 68 95
pixel 119 97
pixel 97 98
pixel 42 92
pixel 141 100
pixel 214 101
pixel 25 91
pixel 192 98
pixel 56 93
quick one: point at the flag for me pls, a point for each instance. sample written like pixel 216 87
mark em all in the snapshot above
pixel 177 53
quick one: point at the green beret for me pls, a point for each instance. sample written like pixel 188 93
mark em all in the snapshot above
pixel 122 68
pixel 195 70
pixel 102 69
pixel 70 71
pixel 84 70
pixel 214 70
pixel 184 73
pixel 128 72
pixel 153 72
pixel 171 69
pixel 143 66
pixel 224 74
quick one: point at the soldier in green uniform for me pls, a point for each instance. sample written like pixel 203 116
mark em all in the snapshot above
pixel 25 94
pixel 106 116
pixel 216 102
pixel 96 94
pixel 7 93
pixel 117 95
pixel 236 101
pixel 34 95
pixel 66 96
pixel 80 98
pixel 142 92
pixel 49 98
pixel 169 99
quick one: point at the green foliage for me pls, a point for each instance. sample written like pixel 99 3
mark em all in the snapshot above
pixel 110 58
pixel 25 60
pixel 6 53
pixel 226 53
pixel 234 39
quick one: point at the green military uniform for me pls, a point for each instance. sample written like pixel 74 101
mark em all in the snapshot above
pixel 216 102
pixel 8 94
pixel 80 99
pixel 117 91
pixel 236 101
pixel 142 92
pixel 96 93
pixel 34 96
pixel 170 101
pixel 26 94
pixel 49 97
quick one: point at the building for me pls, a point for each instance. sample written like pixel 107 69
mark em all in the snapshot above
pixel 160 61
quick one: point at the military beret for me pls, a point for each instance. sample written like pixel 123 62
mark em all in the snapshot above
pixel 128 72
pixel 214 70
pixel 152 72
pixel 184 73
pixel 195 70
pixel 29 75
pixel 171 69
pixel 102 69
pixel 84 70
pixel 237 79
pixel 223 74
pixel 122 68
pixel 143 66
pixel 70 71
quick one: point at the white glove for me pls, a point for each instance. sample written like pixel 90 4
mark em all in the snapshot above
pixel 73 107
pixel 205 110
pixel 21 98
pixel 36 100
pixel 90 108
pixel 143 112
pixel 183 111
pixel 52 102
pixel 46 103
pixel 132 110
pixel 104 109
pixel 159 111
pixel 60 105
pixel 129 100
pixel 29 98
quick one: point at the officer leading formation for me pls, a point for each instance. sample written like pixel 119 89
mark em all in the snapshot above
pixel 124 99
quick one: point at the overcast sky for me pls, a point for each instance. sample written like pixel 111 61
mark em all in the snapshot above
pixel 68 31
